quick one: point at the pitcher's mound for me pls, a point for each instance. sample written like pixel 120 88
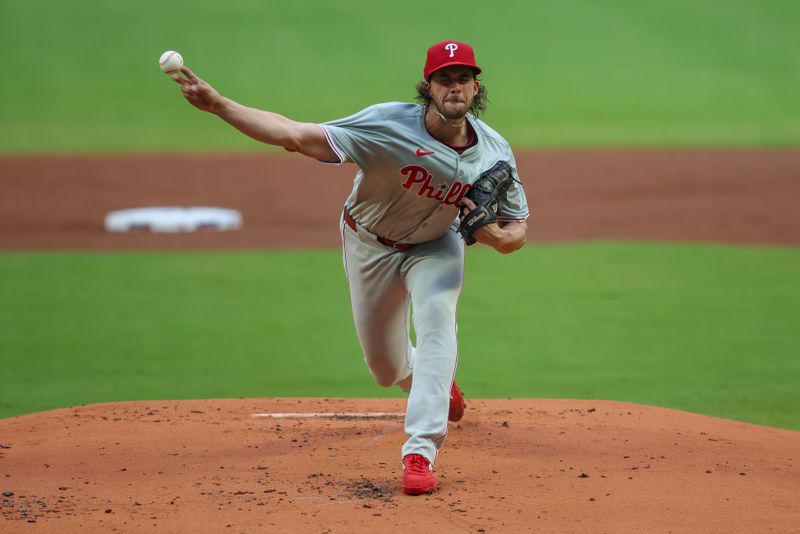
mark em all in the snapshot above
pixel 508 466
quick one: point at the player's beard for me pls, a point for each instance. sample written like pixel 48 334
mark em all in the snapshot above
pixel 449 114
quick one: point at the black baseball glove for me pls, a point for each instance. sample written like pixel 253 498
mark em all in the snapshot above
pixel 485 193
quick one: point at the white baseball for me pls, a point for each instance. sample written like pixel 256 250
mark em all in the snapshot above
pixel 170 62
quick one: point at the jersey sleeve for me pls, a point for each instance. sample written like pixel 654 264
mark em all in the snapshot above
pixel 514 204
pixel 356 138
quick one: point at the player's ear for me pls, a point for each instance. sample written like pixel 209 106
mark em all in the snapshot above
pixel 426 88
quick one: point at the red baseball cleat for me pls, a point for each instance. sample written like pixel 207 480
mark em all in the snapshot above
pixel 457 404
pixel 417 475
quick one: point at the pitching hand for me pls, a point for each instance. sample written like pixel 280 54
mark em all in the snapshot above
pixel 199 94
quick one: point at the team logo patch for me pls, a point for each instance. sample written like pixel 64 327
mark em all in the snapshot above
pixel 451 47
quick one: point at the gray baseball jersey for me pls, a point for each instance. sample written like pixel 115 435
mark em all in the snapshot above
pixel 409 184
pixel 408 189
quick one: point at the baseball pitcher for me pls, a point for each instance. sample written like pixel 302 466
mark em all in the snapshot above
pixel 431 179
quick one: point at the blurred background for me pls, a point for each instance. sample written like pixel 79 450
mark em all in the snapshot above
pixel 83 75
pixel 658 142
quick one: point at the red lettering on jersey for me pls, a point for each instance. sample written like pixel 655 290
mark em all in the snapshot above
pixel 439 195
pixel 427 189
pixel 419 175
pixel 416 175
pixel 456 193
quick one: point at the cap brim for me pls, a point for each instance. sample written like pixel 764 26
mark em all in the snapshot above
pixel 475 68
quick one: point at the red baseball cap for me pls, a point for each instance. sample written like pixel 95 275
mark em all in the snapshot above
pixel 449 53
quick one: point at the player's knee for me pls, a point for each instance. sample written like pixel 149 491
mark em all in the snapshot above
pixel 383 379
pixel 384 374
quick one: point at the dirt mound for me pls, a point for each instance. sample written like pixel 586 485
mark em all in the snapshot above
pixel 509 466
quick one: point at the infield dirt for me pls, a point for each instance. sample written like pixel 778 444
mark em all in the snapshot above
pixel 509 466
pixel 287 201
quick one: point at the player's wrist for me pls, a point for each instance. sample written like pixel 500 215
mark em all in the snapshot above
pixel 221 106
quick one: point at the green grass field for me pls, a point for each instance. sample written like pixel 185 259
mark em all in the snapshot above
pixel 702 328
pixel 705 329
pixel 83 75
